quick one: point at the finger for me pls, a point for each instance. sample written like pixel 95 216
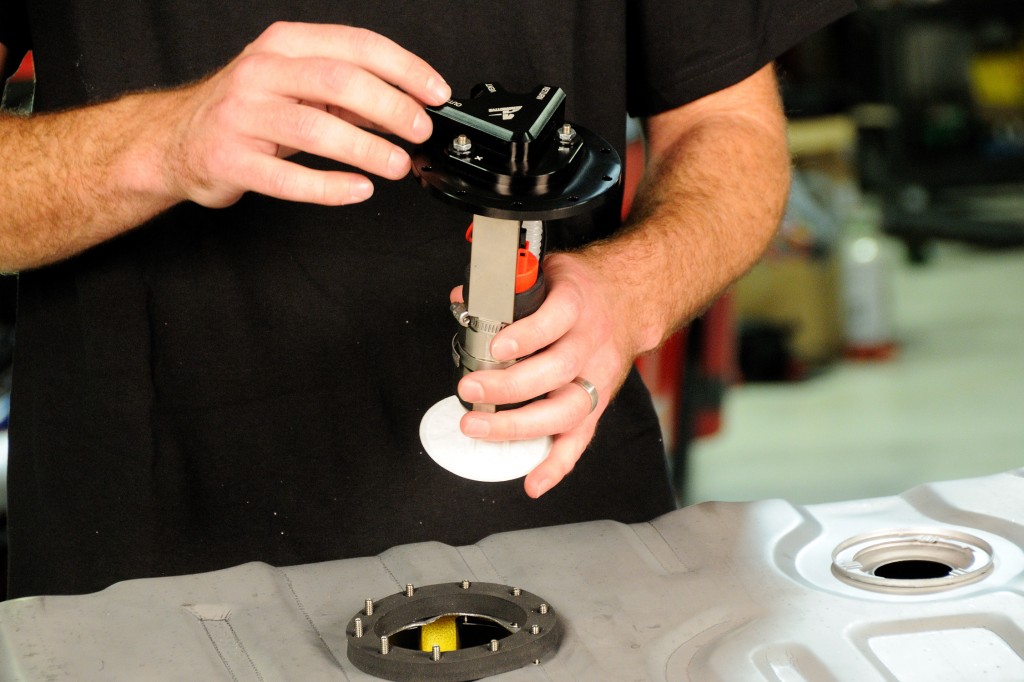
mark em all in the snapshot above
pixel 336 83
pixel 345 115
pixel 536 375
pixel 371 51
pixel 563 410
pixel 565 452
pixel 456 295
pixel 290 181
pixel 312 130
pixel 555 317
pixel 354 119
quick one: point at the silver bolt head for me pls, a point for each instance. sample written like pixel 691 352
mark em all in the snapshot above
pixel 566 134
pixel 462 144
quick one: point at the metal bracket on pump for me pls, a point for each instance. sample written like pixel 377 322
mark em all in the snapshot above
pixel 513 161
pixel 514 156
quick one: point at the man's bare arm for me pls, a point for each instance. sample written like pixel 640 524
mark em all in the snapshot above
pixel 76 178
pixel 68 181
pixel 713 196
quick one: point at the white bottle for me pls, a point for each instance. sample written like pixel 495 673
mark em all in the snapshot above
pixel 867 320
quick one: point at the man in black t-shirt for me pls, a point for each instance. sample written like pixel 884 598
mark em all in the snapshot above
pixel 228 332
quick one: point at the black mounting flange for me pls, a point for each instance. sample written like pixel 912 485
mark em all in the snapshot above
pixel 515 157
pixel 531 632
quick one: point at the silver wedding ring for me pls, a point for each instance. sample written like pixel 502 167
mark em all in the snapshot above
pixel 590 389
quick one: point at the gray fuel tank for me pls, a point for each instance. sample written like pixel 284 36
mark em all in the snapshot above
pixel 926 586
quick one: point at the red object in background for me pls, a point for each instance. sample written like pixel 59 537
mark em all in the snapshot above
pixel 882 351
pixel 26 71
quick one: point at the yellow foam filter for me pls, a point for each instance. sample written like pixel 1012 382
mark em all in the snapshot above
pixel 443 632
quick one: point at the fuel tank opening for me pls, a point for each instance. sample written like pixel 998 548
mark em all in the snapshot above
pixel 912 560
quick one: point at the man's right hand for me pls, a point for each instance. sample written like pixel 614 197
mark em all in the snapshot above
pixel 320 89
pixel 78 177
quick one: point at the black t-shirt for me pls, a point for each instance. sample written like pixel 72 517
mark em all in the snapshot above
pixel 220 386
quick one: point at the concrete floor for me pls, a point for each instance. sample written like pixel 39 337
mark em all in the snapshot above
pixel 949 406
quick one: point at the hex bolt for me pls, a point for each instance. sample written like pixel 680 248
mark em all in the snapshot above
pixel 385 647
pixel 359 627
pixel 368 610
pixel 409 590
pixel 516 592
pixel 566 134
pixel 462 144
pixel 534 629
pixel 494 645
pixel 435 653
pixel 465 584
pixel 543 609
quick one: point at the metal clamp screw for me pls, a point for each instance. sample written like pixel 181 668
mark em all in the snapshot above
pixel 460 313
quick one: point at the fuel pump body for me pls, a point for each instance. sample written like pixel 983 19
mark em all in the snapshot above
pixel 509 159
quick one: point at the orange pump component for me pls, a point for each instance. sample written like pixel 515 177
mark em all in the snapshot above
pixel 527 269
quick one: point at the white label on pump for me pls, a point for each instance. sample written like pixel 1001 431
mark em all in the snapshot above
pixel 506 113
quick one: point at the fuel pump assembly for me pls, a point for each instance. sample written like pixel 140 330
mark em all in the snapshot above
pixel 513 161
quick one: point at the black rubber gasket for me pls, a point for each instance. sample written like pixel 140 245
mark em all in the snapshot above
pixel 516 610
